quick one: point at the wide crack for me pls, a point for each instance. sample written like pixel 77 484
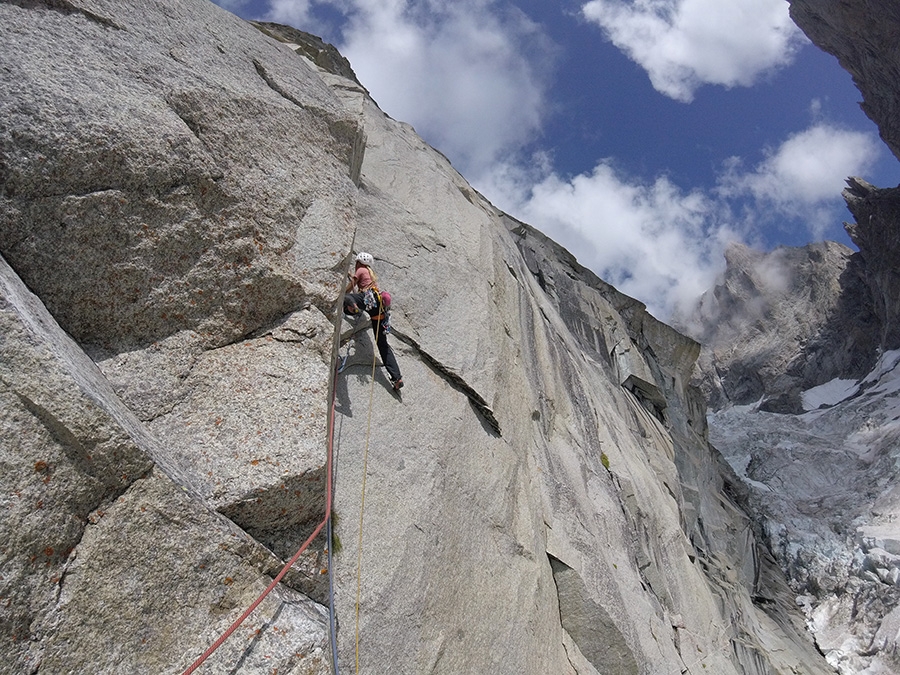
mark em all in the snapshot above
pixel 66 7
pixel 281 517
pixel 455 380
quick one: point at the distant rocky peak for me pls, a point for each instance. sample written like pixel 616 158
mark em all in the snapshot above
pixel 780 322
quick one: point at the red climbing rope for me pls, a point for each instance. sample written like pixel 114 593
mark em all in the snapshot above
pixel 218 643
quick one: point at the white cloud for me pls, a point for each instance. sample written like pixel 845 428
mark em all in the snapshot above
pixel 291 12
pixel 683 44
pixel 469 75
pixel 804 176
pixel 652 241
pixel 663 245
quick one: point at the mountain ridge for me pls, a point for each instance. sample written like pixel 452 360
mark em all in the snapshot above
pixel 799 363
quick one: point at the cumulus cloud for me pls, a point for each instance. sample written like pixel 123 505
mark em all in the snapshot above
pixel 805 174
pixel 652 240
pixel 291 12
pixel 683 44
pixel 471 76
pixel 664 245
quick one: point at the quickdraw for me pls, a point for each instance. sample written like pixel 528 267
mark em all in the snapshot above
pixel 370 299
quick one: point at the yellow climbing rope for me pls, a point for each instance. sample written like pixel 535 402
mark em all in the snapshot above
pixel 362 502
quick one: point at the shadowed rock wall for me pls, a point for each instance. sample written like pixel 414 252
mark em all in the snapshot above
pixel 862 34
pixel 781 322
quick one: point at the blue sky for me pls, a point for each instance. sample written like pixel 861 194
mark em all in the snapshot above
pixel 643 135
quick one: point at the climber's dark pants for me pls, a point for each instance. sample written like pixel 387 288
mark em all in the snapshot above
pixel 384 349
pixel 355 300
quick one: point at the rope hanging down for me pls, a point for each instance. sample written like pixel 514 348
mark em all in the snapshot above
pixel 362 501
pixel 325 521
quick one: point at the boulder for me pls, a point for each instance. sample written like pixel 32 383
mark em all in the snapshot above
pixel 111 562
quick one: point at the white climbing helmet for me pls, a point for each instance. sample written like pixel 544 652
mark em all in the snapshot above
pixel 365 258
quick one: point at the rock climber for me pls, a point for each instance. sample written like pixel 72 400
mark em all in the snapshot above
pixel 368 297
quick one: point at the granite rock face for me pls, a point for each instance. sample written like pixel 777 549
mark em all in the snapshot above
pixel 178 194
pixel 141 186
pixel 181 196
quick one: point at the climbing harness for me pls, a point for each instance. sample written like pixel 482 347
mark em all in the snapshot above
pixel 380 301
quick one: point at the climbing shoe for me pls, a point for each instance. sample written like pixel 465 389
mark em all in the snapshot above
pixel 398 384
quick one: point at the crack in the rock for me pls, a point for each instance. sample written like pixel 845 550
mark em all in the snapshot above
pixel 455 380
pixel 65 567
pixel 260 557
pixel 278 89
pixel 341 129
pixel 67 7
pixel 569 656
pixel 194 126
